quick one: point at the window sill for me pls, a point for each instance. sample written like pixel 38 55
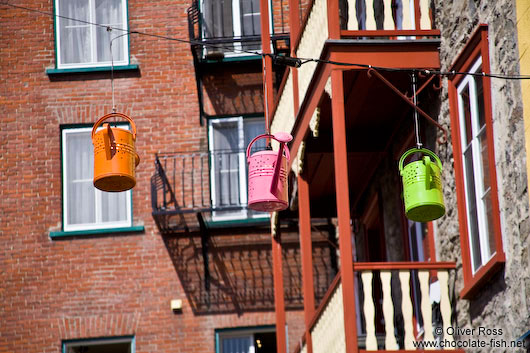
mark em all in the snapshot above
pixel 243 222
pixel 63 234
pixel 52 72
pixel 481 277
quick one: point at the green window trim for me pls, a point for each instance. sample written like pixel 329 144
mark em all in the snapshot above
pixel 101 340
pixel 125 65
pixel 54 71
pixel 63 234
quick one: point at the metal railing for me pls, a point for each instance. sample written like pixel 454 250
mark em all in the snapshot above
pixel 199 181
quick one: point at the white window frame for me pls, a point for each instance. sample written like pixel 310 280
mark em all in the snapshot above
pixel 236 26
pixel 241 332
pixel 93 39
pixel 245 212
pixel 98 193
pixel 238 214
pixel 469 83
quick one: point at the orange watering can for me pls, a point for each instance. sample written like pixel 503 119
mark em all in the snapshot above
pixel 115 157
pixel 267 175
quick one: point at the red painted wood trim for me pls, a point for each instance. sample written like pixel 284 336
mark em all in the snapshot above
pixel 325 300
pixel 296 43
pixel 405 265
pixel 390 33
pixel 309 104
pixel 268 100
pixel 333 19
pixel 279 300
pixel 294 24
pixel 343 209
pixel 417 14
pixel 477 45
pixel 306 249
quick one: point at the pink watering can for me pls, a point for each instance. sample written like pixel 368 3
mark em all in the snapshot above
pixel 267 175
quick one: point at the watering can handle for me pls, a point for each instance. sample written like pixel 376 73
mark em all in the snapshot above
pixel 419 150
pixel 105 117
pixel 287 155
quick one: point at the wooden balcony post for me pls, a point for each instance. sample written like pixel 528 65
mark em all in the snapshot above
pixel 268 97
pixel 306 249
pixel 340 154
pixel 294 27
pixel 333 19
pixel 279 300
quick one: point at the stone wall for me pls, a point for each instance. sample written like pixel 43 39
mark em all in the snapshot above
pixel 504 301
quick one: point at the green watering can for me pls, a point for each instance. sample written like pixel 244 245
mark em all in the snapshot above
pixel 422 186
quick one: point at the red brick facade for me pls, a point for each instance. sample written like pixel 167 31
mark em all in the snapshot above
pixel 95 285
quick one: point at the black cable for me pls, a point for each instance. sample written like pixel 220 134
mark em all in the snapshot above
pixel 278 59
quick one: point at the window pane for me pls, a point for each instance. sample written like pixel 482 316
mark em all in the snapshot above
pixel 483 145
pixel 218 18
pixel 114 206
pixel 74 35
pixel 472 211
pixel 253 128
pixel 468 132
pixel 237 345
pixel 480 99
pixel 490 246
pixel 250 17
pixel 109 13
pixel 80 191
pixel 226 162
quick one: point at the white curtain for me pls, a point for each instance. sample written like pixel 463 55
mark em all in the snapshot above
pixel 238 345
pixel 226 159
pixel 74 35
pixel 76 39
pixel 109 13
pixel 85 205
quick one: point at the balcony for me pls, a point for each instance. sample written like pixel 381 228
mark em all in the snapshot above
pixel 201 188
pixel 396 316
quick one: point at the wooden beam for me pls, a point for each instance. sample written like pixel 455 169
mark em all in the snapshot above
pixel 279 300
pixel 306 249
pixel 343 210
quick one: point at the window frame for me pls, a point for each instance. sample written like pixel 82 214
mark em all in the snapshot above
pixel 93 64
pixel 244 213
pixel 96 226
pixel 238 50
pixel 231 332
pixel 101 340
pixel 477 47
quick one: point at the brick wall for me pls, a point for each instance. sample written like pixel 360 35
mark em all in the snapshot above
pixel 94 286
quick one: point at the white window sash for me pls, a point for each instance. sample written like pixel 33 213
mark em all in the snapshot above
pixel 98 224
pixel 236 214
pixel 93 62
pixel 469 82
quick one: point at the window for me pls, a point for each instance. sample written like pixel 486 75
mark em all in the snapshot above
pixel 84 206
pixel 245 340
pixel 81 44
pixel 229 138
pixel 101 345
pixel 471 125
pixel 232 19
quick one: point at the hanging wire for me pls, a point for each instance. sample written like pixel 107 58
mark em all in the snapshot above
pixel 285 60
pixel 109 30
pixel 416 120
